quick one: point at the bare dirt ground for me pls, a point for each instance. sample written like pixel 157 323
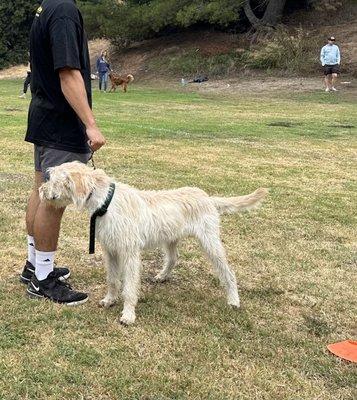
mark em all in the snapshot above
pixel 15 72
pixel 243 85
pixel 258 85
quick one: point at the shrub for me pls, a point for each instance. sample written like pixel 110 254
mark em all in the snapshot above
pixel 293 51
pixel 192 63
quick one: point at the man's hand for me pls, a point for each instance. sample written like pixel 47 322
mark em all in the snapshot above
pixel 95 138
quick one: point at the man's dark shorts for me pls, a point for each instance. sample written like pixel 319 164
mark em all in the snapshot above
pixel 331 69
pixel 46 157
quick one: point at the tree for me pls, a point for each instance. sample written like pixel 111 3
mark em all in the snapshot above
pixel 16 17
pixel 272 15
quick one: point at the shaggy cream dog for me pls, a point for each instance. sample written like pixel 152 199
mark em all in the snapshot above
pixel 137 220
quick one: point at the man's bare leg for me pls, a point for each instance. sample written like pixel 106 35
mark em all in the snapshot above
pixel 43 222
pixel 31 211
pixel 333 81
pixel 47 227
pixel 328 82
pixel 33 203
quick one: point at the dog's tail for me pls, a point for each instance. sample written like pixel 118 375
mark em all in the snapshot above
pixel 230 205
pixel 130 78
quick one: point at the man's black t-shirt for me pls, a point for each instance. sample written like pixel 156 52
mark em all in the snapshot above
pixel 57 40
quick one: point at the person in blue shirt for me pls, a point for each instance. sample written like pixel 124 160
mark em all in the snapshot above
pixel 330 58
pixel 103 69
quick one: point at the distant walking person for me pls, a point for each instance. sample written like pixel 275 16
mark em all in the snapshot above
pixel 330 59
pixel 27 82
pixel 103 68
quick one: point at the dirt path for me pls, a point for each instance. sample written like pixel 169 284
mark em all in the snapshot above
pixel 257 85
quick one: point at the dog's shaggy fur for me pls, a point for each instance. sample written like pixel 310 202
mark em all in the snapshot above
pixel 137 220
pixel 117 80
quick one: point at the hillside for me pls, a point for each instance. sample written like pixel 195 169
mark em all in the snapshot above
pixel 178 54
pixel 222 55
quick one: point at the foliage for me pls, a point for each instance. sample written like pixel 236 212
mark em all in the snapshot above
pixel 292 51
pixel 192 63
pixel 133 20
pixel 92 10
pixel 15 22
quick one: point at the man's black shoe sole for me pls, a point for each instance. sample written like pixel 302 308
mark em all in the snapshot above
pixel 37 296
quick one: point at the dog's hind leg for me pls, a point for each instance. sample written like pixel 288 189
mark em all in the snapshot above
pixel 213 247
pixel 171 257
pixel 131 285
pixel 113 279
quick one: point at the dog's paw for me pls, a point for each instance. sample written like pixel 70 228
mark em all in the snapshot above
pixel 107 302
pixel 127 319
pixel 234 304
pixel 160 278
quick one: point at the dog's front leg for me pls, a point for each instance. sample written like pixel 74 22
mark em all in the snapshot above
pixel 131 286
pixel 113 267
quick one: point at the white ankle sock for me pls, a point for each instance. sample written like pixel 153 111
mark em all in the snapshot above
pixel 31 254
pixel 44 264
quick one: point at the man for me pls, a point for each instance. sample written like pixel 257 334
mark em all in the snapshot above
pixel 330 60
pixel 62 128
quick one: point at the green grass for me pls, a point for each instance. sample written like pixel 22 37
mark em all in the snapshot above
pixel 295 258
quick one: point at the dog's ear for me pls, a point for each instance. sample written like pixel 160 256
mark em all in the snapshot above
pixel 48 172
pixel 99 177
pixel 79 188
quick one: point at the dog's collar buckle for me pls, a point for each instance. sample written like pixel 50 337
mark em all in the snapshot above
pixel 99 213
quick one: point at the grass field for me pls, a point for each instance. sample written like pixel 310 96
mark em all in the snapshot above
pixel 295 258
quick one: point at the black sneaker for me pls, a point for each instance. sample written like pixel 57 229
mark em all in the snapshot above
pixel 53 289
pixel 29 270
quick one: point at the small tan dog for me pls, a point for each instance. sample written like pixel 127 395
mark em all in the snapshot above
pixel 136 220
pixel 117 80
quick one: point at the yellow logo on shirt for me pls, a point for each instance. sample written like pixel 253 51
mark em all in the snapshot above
pixel 38 11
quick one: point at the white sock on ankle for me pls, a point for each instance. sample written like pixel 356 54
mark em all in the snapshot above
pixel 31 253
pixel 44 264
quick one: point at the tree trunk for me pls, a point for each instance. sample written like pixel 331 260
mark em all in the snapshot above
pixel 272 14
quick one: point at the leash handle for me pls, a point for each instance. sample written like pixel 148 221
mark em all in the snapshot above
pixel 91 154
pixel 91 159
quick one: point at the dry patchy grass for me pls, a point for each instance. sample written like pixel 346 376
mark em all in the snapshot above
pixel 295 258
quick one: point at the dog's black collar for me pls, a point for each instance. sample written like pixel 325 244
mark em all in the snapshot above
pixel 99 213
